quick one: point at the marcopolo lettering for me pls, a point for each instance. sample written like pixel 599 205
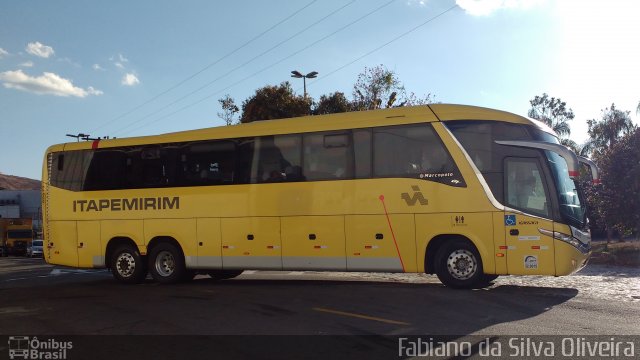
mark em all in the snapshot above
pixel 146 203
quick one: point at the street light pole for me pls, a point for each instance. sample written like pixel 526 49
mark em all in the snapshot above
pixel 297 74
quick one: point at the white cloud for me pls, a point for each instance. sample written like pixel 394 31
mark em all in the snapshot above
pixel 3 53
pixel 119 61
pixel 27 64
pixel 487 7
pixel 97 67
pixel 130 80
pixel 420 3
pixel 46 84
pixel 39 49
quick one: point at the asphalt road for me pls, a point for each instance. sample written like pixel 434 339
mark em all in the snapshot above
pixel 41 299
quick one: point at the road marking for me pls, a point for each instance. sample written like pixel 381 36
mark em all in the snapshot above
pixel 360 316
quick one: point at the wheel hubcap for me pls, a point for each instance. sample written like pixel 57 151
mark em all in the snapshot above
pixel 165 263
pixel 125 264
pixel 462 264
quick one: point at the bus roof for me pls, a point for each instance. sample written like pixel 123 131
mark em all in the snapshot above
pixel 312 123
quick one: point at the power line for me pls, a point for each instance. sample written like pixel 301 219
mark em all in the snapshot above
pixel 387 43
pixel 265 68
pixel 237 67
pixel 205 68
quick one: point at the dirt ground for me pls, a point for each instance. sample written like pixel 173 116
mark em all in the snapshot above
pixel 616 253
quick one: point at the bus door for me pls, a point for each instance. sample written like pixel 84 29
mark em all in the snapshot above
pixel 526 217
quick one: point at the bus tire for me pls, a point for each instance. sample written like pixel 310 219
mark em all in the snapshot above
pixel 166 264
pixel 127 265
pixel 224 274
pixel 458 265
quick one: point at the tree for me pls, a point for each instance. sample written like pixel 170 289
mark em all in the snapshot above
pixel 379 87
pixel 332 103
pixel 604 133
pixel 554 112
pixel 618 203
pixel 229 109
pixel 274 102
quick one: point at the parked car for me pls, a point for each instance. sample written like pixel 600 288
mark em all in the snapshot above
pixel 35 249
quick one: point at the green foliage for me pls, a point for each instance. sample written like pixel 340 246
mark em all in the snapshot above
pixel 274 102
pixel 332 103
pixel 604 133
pixel 379 87
pixel 553 112
pixel 616 204
pixel 229 109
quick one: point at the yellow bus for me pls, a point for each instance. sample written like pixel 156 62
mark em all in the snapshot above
pixel 467 193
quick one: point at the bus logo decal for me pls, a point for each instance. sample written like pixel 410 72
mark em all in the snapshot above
pixel 150 203
pixel 416 197
pixel 531 262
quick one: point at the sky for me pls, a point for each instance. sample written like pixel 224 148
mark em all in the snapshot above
pixel 130 68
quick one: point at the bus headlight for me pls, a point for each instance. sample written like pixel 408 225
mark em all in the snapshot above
pixel 576 242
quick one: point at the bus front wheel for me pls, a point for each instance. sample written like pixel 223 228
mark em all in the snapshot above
pixel 127 265
pixel 458 265
pixel 166 264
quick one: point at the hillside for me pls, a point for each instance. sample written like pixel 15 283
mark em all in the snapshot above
pixel 10 182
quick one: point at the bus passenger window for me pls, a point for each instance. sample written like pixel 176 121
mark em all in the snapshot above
pixel 362 152
pixel 414 151
pixel 208 163
pixel 278 158
pixel 69 169
pixel 327 156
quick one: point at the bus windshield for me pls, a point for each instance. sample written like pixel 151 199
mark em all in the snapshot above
pixel 572 209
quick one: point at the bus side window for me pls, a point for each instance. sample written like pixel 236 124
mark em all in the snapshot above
pixel 362 153
pixel 207 163
pixel 327 156
pixel 107 170
pixel 245 154
pixel 414 151
pixel 524 186
pixel 278 156
pixel 70 168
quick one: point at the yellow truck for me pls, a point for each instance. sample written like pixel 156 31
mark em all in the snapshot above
pixel 16 235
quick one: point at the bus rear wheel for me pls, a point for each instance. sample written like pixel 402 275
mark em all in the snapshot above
pixel 127 265
pixel 166 264
pixel 458 265
pixel 224 274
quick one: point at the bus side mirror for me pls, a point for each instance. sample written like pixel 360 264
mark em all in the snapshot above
pixel 592 167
